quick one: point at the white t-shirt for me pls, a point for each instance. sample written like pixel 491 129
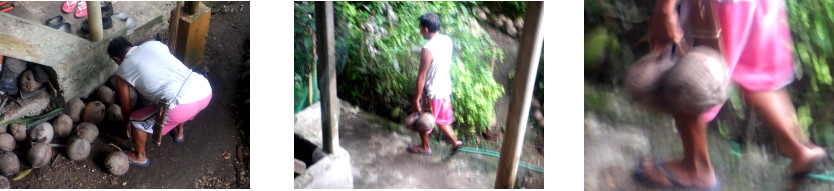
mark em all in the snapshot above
pixel 157 74
pixel 439 78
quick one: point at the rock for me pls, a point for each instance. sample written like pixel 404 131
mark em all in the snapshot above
pixel 113 114
pixel 117 163
pixel 508 26
pixel 42 133
pixel 519 23
pixel 485 9
pixel 7 142
pixel 497 21
pixel 78 148
pixel 93 112
pixel 74 108
pixel 106 95
pixel 62 125
pixel 88 131
pixel 9 164
pixel 18 131
pixel 39 155
pixel 28 82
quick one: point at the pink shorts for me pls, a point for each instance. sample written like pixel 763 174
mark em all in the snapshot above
pixel 180 114
pixel 442 111
pixel 757 45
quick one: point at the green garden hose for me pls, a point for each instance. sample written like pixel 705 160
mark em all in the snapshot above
pixel 496 154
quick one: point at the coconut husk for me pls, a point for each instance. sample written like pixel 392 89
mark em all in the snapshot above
pixel 93 112
pixel 117 163
pixel 78 148
pixel 7 142
pixel 106 95
pixel 74 108
pixel 39 155
pixel 18 131
pixel 420 122
pixel 42 133
pixel 9 164
pixel 28 82
pixel 87 131
pixel 114 113
pixel 697 82
pixel 62 125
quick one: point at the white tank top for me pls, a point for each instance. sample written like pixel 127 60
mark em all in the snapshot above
pixel 439 79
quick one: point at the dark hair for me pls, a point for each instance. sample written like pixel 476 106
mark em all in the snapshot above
pixel 430 21
pixel 117 47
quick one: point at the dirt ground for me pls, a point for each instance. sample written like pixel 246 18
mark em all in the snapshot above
pixel 214 154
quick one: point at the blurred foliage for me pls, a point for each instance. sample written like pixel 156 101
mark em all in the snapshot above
pixel 615 31
pixel 377 49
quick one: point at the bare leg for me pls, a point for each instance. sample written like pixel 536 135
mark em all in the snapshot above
pixel 695 169
pixel 139 139
pixel 178 132
pixel 424 147
pixel 447 129
pixel 776 108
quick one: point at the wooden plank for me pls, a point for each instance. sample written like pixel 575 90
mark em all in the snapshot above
pixel 327 76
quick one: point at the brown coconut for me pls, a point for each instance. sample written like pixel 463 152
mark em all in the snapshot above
pixel 18 131
pixel 62 125
pixel 106 95
pixel 42 133
pixel 39 155
pixel 643 79
pixel 9 164
pixel 113 113
pixel 78 148
pixel 93 112
pixel 87 131
pixel 117 163
pixel 697 82
pixel 74 108
pixel 28 82
pixel 7 142
pixel 420 122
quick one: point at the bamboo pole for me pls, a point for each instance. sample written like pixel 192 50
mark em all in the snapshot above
pixel 94 19
pixel 526 67
pixel 327 80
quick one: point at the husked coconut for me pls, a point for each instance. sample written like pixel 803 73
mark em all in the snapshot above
pixel 106 95
pixel 87 131
pixel 420 122
pixel 74 108
pixel 39 155
pixel 62 125
pixel 117 163
pixel 42 133
pixel 28 82
pixel 519 23
pixel 4 182
pixel 94 112
pixel 113 113
pixel 510 28
pixel 697 82
pixel 78 148
pixel 7 142
pixel 643 80
pixel 18 131
pixel 9 164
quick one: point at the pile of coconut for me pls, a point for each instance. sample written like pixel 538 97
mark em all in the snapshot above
pixel 513 27
pixel 69 131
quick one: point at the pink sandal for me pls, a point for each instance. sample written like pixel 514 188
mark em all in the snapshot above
pixel 82 10
pixel 69 6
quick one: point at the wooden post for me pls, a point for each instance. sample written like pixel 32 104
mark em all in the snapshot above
pixel 191 7
pixel 327 76
pixel 526 68
pixel 173 26
pixel 94 19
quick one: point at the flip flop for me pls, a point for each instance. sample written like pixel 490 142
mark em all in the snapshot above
pixel 66 27
pixel 55 22
pixel 81 12
pixel 69 6
pixel 804 174
pixel 138 164
pixel 413 149
pixel 179 140
pixel 675 182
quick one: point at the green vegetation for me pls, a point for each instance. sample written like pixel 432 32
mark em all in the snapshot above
pixel 377 48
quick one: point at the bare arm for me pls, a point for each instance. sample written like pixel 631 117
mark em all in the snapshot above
pixel 425 63
pixel 124 99
pixel 665 27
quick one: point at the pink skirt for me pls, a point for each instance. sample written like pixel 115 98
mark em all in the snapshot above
pixel 442 111
pixel 143 118
pixel 757 45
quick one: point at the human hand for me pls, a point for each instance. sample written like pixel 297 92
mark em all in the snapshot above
pixel 665 28
pixel 417 107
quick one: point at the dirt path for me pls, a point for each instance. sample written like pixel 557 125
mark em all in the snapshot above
pixel 198 162
pixel 618 134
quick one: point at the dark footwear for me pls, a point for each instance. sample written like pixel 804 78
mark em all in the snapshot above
pixel 55 22
pixel 179 140
pixel 414 149
pixel 138 164
pixel 675 182
pixel 66 27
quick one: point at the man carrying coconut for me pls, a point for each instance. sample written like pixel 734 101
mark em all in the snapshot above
pixel 157 75
pixel 434 78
